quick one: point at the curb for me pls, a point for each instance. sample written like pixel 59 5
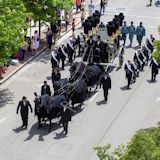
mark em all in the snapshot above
pixel 31 58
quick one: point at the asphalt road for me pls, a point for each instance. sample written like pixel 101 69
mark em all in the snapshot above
pixel 97 123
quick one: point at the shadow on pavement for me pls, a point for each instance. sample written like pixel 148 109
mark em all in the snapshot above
pixel 41 132
pixel 59 136
pixel 6 97
pixel 19 129
pixel 124 88
pixel 101 102
pixel 150 81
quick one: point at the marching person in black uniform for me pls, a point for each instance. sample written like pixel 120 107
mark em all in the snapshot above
pixel 106 83
pixel 23 106
pixel 65 117
pixel 80 41
pixel 54 59
pixel 129 72
pixel 45 89
pixel 62 54
pixel 98 47
pixel 154 69
pixel 70 51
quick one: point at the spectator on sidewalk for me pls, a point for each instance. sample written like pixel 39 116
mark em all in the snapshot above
pixel 66 19
pixel 37 40
pixel 54 29
pixel 49 36
pixel 91 8
pixel 33 45
pixel 73 27
pixel 78 5
pixel 83 5
pixel 82 16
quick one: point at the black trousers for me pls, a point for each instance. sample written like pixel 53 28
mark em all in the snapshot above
pixel 153 76
pixel 24 120
pixel 105 91
pixel 49 45
pixel 63 60
pixel 65 126
pixel 129 80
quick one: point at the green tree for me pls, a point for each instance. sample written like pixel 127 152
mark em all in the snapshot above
pixel 12 24
pixel 145 145
pixel 156 52
pixel 46 10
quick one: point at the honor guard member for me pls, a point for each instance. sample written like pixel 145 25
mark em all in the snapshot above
pixel 70 51
pixel 147 52
pixel 81 43
pixel 97 50
pixel 131 31
pixel 124 32
pixel 87 27
pixel 62 54
pixel 106 84
pixel 142 58
pixel 110 28
pixel 154 69
pixel 140 32
pixel 121 16
pixel 54 59
pixel 65 117
pixel 45 89
pixel 24 106
pixel 129 72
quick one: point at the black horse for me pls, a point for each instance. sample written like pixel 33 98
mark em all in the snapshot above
pixel 93 74
pixel 48 107
pixel 77 92
pixel 54 109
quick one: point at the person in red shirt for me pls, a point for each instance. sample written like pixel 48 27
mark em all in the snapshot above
pixel 78 5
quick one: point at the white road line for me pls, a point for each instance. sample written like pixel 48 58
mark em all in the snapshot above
pixel 158 99
pixel 3 119
pixel 94 96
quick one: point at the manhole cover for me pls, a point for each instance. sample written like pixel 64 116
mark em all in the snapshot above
pixel 120 8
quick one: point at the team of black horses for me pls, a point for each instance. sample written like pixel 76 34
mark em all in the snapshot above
pixel 74 90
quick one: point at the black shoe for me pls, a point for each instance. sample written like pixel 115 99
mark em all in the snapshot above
pixel 25 127
pixel 65 133
pixel 22 126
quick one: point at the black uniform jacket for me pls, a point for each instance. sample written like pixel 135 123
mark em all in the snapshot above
pixel 66 116
pixel 24 108
pixel 45 91
pixel 106 82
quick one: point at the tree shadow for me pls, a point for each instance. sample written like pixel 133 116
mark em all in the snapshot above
pixel 6 97
pixel 124 88
pixel 102 102
pixel 41 132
